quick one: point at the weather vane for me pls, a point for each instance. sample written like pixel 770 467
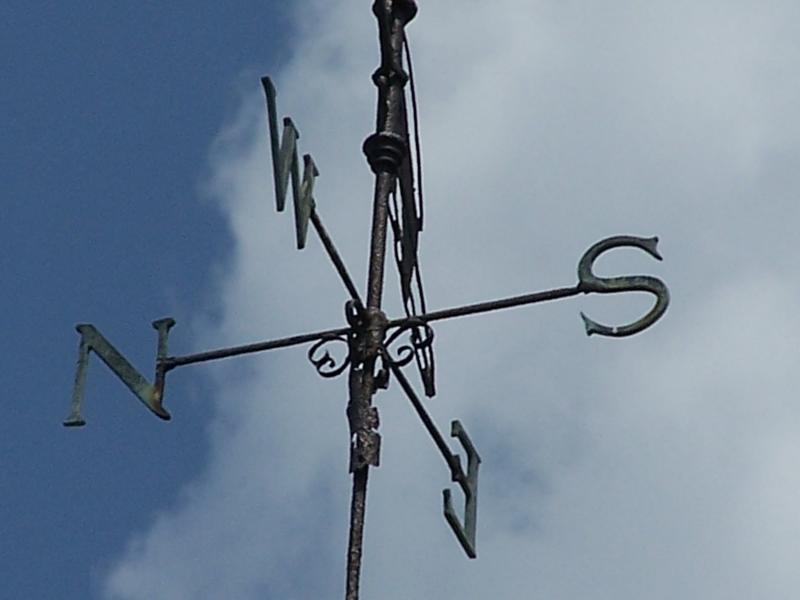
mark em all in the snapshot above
pixel 376 347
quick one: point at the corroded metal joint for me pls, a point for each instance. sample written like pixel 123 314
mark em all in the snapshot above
pixel 369 325
pixel 365 447
pixel 365 441
pixel 385 151
pixel 367 339
pixel 375 330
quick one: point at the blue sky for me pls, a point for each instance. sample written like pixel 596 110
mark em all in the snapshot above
pixel 108 113
pixel 137 185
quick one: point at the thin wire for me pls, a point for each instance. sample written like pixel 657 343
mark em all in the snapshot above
pixel 418 156
pixel 415 113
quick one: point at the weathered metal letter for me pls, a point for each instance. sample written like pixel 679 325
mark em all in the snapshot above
pixel 588 283
pixel 469 484
pixel 285 165
pixel 149 394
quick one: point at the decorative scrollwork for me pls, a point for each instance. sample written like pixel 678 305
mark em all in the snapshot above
pixel 419 346
pixel 420 338
pixel 326 364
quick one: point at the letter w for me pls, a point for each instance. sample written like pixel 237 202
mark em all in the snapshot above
pixel 285 165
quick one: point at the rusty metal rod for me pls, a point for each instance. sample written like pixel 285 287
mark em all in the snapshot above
pixel 335 257
pixel 491 305
pixel 385 150
pixel 171 362
pixel 448 456
pixel 358 505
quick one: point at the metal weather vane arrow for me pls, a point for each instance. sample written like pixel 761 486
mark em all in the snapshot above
pixel 375 347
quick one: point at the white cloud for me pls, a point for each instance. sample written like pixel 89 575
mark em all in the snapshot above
pixel 659 466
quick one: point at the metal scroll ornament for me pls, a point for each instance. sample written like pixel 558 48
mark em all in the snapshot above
pixel 324 362
pixel 420 337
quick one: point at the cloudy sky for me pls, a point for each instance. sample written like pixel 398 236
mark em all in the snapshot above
pixel 138 184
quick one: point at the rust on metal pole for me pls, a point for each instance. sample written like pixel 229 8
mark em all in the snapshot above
pixel 385 150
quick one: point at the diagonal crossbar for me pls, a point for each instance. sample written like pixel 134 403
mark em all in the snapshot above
pixel 465 533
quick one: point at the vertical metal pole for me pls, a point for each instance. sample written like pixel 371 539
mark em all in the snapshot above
pixel 385 150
